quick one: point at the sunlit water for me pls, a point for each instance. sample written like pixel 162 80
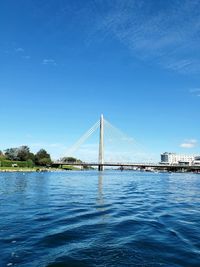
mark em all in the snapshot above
pixel 91 219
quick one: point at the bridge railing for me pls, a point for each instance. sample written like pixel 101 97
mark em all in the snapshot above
pixel 106 163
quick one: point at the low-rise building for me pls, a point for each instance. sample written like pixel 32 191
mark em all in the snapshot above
pixel 196 160
pixel 173 158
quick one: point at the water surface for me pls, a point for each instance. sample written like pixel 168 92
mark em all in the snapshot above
pixel 91 219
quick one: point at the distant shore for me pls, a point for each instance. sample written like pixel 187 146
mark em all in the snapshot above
pixel 35 169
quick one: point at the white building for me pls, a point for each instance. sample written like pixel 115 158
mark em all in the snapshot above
pixel 173 158
pixel 196 160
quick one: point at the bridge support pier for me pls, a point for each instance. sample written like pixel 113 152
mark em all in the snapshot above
pixel 100 168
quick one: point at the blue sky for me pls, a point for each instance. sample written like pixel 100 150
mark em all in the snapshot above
pixel 63 63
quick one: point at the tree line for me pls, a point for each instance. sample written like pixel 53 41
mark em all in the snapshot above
pixel 23 153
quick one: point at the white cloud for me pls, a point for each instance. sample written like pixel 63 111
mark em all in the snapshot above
pixel 46 145
pixel 167 35
pixel 191 143
pixel 49 61
pixel 19 49
pixel 26 57
pixel 195 91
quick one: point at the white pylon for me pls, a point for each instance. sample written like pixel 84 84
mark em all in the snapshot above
pixel 101 144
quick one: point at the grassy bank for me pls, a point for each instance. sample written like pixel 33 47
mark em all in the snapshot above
pixel 37 169
pixel 26 169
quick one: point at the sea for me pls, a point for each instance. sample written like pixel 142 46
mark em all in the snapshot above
pixel 105 219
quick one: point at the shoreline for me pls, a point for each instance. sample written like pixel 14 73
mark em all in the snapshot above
pixel 30 170
pixel 43 169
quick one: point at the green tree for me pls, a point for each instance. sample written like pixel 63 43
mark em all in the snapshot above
pixel 11 153
pixel 45 162
pixel 23 153
pixel 31 156
pixel 42 158
pixel 2 157
pixel 70 159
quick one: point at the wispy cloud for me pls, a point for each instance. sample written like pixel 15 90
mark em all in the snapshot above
pixel 165 33
pixel 26 57
pixel 19 49
pixel 190 143
pixel 49 61
pixel 195 91
pixel 46 145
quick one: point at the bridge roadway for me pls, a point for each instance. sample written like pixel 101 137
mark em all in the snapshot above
pixel 131 165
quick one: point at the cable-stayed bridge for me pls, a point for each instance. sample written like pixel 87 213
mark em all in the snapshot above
pixel 109 137
pixel 107 132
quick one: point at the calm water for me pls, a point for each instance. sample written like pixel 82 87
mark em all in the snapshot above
pixel 86 219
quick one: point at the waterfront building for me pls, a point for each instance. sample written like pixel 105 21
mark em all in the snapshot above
pixel 196 160
pixel 173 158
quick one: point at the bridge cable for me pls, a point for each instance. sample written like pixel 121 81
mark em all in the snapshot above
pixel 83 138
pixel 121 136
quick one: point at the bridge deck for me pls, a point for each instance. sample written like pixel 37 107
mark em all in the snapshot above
pixel 137 165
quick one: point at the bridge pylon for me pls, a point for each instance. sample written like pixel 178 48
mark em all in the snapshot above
pixel 101 145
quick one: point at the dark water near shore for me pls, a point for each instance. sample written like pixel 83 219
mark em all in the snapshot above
pixel 87 219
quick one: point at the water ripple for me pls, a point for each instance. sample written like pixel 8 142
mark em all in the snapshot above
pixel 87 219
